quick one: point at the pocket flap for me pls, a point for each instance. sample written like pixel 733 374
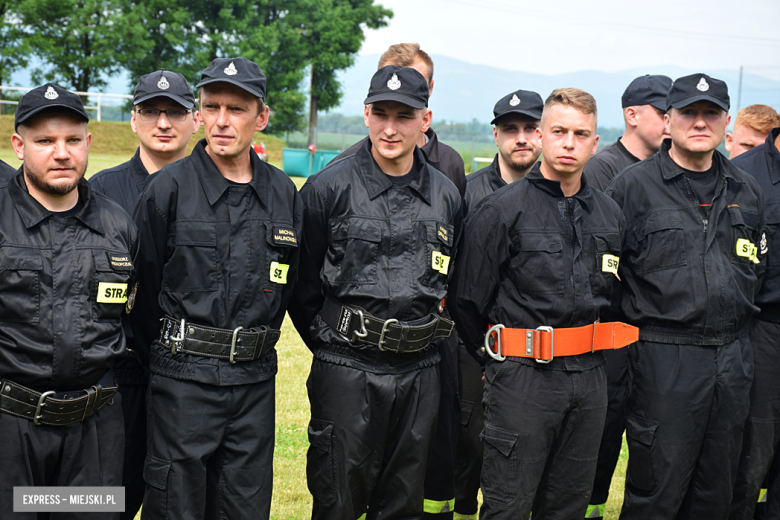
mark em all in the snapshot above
pixel 320 433
pixel 156 472
pixel 607 242
pixel 440 232
pixel 541 242
pixel 281 235
pixel 501 440
pixel 641 429
pixel 658 221
pixel 196 233
pixel 19 259
pixel 743 217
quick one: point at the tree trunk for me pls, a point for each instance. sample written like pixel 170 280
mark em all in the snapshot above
pixel 312 112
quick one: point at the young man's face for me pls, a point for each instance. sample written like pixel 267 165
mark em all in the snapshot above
pixel 650 125
pixel 515 136
pixel 697 128
pixel 394 128
pixel 55 152
pixel 164 133
pixel 230 118
pixel 568 138
pixel 743 139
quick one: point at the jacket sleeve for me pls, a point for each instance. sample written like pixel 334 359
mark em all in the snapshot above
pixel 308 296
pixel 475 280
pixel 762 241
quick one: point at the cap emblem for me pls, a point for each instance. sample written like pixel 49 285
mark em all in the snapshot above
pixel 394 83
pixel 231 70
pixel 703 85
pixel 163 84
pixel 51 93
pixel 764 245
pixel 514 101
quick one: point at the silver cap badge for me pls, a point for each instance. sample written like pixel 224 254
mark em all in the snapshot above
pixel 514 101
pixel 163 83
pixel 394 83
pixel 51 93
pixel 703 85
pixel 231 70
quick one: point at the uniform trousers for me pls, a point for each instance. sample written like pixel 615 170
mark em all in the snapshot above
pixel 686 412
pixel 762 429
pixel 468 452
pixel 369 437
pixel 134 412
pixel 614 425
pixel 541 440
pixel 88 453
pixel 210 450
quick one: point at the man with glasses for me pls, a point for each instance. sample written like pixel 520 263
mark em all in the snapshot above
pixel 164 120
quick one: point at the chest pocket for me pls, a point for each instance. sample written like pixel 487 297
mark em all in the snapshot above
pixel 661 243
pixel 354 251
pixel 606 247
pixel 192 266
pixel 20 285
pixel 744 224
pixel 539 264
pixel 437 260
pixel 281 241
pixel 110 284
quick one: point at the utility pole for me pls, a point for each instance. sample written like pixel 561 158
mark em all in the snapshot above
pixel 739 89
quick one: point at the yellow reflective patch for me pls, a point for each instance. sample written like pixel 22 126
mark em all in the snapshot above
pixel 112 292
pixel 440 262
pixel 279 272
pixel 609 263
pixel 747 249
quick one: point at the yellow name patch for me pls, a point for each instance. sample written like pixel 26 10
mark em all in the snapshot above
pixel 112 292
pixel 747 249
pixel 279 272
pixel 609 264
pixel 440 262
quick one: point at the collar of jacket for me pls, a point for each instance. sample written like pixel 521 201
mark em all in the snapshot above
pixel 32 212
pixel 431 148
pixel 494 175
pixel 585 195
pixel 138 164
pixel 772 155
pixel 376 180
pixel 670 169
pixel 215 184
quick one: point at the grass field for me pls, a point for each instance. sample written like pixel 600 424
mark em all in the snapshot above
pixel 291 499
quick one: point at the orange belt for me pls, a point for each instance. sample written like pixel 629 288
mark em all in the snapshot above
pixel 545 343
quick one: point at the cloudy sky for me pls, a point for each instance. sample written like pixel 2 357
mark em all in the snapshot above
pixel 574 35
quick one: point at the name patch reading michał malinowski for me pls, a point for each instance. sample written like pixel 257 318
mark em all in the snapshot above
pixel 285 237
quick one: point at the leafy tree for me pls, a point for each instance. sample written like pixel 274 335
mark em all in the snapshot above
pixel 14 48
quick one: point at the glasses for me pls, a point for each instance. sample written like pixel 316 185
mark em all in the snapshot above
pixel 173 114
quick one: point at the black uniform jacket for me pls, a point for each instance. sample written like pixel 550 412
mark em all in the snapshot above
pixel 763 164
pixel 531 256
pixel 371 244
pixel 607 163
pixel 685 280
pixel 6 172
pixel 59 327
pixel 206 255
pixel 442 157
pixel 482 183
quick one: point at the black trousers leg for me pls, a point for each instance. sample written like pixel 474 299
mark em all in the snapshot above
pixel 468 452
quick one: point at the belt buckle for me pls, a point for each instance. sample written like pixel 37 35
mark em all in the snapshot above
pixel 385 326
pixel 233 342
pixel 176 340
pixel 497 354
pixel 363 332
pixel 41 404
pixel 552 344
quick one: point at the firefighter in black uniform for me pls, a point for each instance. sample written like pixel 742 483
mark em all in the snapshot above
pixel 164 120
pixel 217 266
pixel 691 265
pixel 644 106
pixel 65 270
pixel 762 429
pixel 381 228
pixel 515 120
pixel 536 266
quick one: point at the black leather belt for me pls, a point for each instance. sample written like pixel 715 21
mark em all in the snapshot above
pixel 56 408
pixel 359 326
pixel 234 345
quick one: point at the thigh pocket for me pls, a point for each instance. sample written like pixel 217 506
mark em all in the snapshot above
pixel 640 435
pixel 320 467
pixel 156 477
pixel 499 467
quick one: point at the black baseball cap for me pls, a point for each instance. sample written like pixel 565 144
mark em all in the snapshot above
pixel 164 83
pixel 45 97
pixel 519 102
pixel 402 84
pixel 698 87
pixel 237 71
pixel 647 90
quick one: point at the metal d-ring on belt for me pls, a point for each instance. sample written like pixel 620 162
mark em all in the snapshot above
pixel 545 343
pixel 56 408
pixel 392 335
pixel 235 345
